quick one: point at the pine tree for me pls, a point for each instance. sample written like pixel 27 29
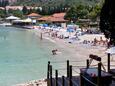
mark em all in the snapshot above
pixel 25 10
pixel 107 20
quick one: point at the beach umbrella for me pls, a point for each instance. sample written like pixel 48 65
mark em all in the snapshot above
pixel 12 18
pixel 70 30
pixel 27 20
pixel 17 21
pixel 111 50
pixel 45 25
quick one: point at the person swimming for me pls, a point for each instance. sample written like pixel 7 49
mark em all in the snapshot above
pixel 54 51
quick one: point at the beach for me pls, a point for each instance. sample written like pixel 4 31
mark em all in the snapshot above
pixel 76 50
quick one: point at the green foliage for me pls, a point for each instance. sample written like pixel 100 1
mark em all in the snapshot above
pixel 107 20
pixel 17 13
pixel 95 12
pixel 2 13
pixel 82 11
pixel 25 10
pixel 78 11
pixel 71 14
pixel 55 6
pixel 75 8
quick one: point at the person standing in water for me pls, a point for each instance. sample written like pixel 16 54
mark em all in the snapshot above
pixel 54 51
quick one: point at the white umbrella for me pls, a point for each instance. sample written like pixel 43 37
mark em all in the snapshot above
pixel 12 18
pixel 27 20
pixel 17 20
pixel 111 50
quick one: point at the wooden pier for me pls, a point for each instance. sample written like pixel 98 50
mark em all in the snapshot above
pixel 88 76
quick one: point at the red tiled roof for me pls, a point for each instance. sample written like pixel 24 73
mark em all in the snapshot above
pixel 45 18
pixel 34 14
pixel 52 19
pixel 58 15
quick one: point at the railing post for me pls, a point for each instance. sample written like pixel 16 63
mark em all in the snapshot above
pixel 56 77
pixel 70 76
pixel 48 71
pixel 108 62
pixel 67 68
pixel 87 63
pixel 99 75
pixel 51 75
pixel 81 80
pixel 63 81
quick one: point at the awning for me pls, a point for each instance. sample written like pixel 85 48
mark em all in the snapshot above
pixel 12 18
pixel 27 20
pixel 111 50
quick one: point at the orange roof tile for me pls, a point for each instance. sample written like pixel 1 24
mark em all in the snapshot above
pixel 45 18
pixel 59 15
pixel 52 19
pixel 34 14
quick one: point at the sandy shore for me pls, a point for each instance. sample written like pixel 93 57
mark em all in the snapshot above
pixel 77 50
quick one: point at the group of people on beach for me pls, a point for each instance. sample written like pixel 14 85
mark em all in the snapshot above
pixel 97 42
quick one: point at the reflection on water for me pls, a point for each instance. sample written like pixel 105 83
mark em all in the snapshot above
pixel 3 33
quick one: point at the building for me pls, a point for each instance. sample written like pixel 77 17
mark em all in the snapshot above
pixel 56 18
pixel 18 7
pixel 34 16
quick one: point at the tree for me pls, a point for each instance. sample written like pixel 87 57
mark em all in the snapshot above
pixel 25 10
pixel 18 13
pixel 82 11
pixel 107 20
pixel 2 13
pixel 71 14
pixel 95 12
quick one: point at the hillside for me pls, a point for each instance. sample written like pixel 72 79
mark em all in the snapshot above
pixel 55 2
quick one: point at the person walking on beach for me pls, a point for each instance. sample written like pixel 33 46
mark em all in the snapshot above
pixel 41 36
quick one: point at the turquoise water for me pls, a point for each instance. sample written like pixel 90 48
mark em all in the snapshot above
pixel 23 57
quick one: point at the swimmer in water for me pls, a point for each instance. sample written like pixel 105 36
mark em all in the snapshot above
pixel 54 51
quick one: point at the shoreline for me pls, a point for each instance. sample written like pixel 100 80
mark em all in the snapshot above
pixel 70 47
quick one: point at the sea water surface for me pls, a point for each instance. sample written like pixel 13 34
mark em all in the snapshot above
pixel 23 56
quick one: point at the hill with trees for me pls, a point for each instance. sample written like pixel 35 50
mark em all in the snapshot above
pixel 55 2
pixel 75 9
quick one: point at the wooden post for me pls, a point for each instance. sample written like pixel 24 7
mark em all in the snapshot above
pixel 48 71
pixel 81 80
pixel 108 62
pixel 51 75
pixel 87 63
pixel 99 75
pixel 63 81
pixel 41 35
pixel 56 77
pixel 67 68
pixel 70 76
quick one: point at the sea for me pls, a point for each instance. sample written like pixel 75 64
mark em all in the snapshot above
pixel 24 56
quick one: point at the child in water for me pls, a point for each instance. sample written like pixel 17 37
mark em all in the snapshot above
pixel 54 51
